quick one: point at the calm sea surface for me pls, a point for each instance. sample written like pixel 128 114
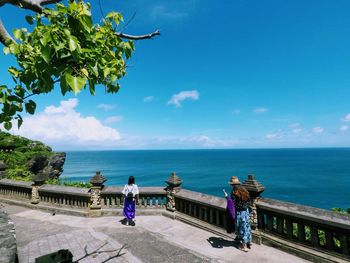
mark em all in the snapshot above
pixel 316 177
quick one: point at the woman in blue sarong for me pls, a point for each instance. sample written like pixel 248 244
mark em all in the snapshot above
pixel 131 198
pixel 241 200
pixel 238 211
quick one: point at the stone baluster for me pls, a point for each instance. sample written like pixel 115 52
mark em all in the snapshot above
pixel 95 192
pixel 3 168
pixel 38 180
pixel 173 186
pixel 255 189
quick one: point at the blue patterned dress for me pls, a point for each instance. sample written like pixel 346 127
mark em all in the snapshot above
pixel 243 229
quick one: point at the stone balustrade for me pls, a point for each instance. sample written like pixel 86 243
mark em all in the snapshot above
pixel 150 197
pixel 207 208
pixel 15 189
pixel 323 236
pixel 318 229
pixel 64 196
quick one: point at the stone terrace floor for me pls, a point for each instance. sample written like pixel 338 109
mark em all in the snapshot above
pixel 153 239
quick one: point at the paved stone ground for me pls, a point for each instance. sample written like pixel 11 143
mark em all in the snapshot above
pixel 153 239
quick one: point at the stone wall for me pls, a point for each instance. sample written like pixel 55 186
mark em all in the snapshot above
pixel 8 247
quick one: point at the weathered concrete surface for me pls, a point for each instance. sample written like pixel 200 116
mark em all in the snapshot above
pixel 153 239
pixel 8 248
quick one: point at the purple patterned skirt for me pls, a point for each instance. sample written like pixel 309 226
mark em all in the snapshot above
pixel 129 209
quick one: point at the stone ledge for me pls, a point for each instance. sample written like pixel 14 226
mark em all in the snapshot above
pixel 202 199
pixel 300 250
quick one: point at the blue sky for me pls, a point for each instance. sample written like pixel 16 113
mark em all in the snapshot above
pixel 223 74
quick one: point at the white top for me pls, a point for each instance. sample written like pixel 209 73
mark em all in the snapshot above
pixel 130 188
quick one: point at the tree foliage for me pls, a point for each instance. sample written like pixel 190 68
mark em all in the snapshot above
pixel 23 150
pixel 66 47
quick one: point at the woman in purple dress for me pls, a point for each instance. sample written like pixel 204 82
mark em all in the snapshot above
pixel 131 198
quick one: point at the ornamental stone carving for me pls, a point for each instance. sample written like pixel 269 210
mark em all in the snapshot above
pixel 255 189
pixel 174 182
pixel 35 195
pixel 38 180
pixel 95 192
pixel 95 199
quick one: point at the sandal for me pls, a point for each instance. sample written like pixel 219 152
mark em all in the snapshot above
pixel 244 249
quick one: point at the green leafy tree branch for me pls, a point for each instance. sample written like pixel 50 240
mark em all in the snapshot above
pixel 64 47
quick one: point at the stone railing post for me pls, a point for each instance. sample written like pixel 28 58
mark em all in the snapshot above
pixel 173 186
pixel 255 189
pixel 3 168
pixel 95 192
pixel 38 180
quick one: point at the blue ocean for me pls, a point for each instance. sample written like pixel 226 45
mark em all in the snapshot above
pixel 315 177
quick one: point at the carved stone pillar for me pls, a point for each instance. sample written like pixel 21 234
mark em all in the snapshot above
pixel 38 180
pixel 174 182
pixel 255 189
pixel 95 191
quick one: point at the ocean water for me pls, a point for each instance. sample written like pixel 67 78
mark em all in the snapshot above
pixel 315 177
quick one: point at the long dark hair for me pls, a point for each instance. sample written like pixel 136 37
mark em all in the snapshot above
pixel 131 180
pixel 241 193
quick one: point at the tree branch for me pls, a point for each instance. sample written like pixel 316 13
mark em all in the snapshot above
pixel 34 5
pixel 5 37
pixel 132 37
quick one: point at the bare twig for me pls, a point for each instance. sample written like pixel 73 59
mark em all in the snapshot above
pixel 118 254
pixel 140 37
pixel 87 254
pixel 128 22
pixel 100 6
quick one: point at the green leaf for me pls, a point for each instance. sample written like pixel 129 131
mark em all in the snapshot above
pixel 85 72
pixel 106 72
pixel 92 87
pixel 46 37
pixel 14 72
pixel 45 52
pixel 73 43
pixel 75 82
pixel 29 20
pixel 14 48
pixel 6 50
pixel 17 33
pixel 8 125
pixel 30 107
pixel 19 121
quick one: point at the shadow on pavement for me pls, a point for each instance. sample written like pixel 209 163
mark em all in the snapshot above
pixel 219 242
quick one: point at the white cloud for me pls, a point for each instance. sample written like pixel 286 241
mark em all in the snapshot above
pixel 344 128
pixel 148 99
pixel 317 129
pixel 297 130
pixel 176 99
pixel 294 125
pixel 162 11
pixel 261 110
pixel 113 119
pixel 346 118
pixel 106 107
pixel 236 111
pixel 63 125
pixel 272 136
